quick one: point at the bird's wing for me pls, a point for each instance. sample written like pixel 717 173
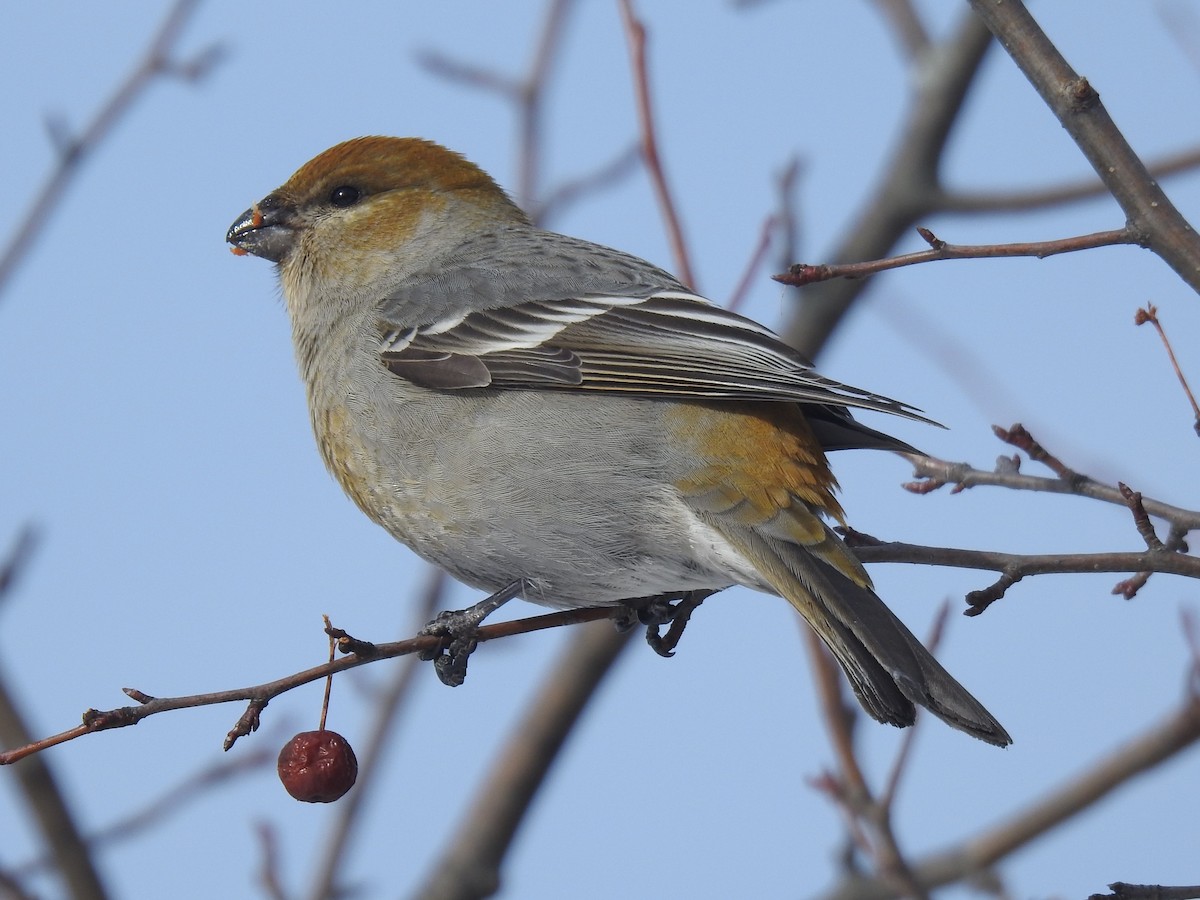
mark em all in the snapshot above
pixel 670 344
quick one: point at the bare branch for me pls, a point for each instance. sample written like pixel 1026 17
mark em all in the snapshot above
pixel 259 695
pixel 37 782
pixel 1122 891
pixel 1056 195
pixel 906 25
pixel 1149 212
pixel 801 274
pixel 978 854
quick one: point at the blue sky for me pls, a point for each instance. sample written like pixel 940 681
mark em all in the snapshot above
pixel 155 431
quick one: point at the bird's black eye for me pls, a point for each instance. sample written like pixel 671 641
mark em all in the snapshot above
pixel 345 195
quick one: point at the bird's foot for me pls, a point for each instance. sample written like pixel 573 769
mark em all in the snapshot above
pixel 654 612
pixel 459 633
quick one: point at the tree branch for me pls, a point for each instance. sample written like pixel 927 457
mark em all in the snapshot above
pixel 1149 212
pixel 801 274
pixel 978 854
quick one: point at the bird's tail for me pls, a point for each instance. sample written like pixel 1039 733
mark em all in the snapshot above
pixel 888 667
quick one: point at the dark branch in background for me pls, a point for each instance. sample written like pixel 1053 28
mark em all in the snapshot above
pixel 156 64
pixel 1122 891
pixel 868 817
pixel 975 856
pixel 37 783
pixel 268 873
pixel 170 803
pixel 907 25
pixel 801 274
pixel 1057 195
pixel 470 866
pixel 1149 213
pixel 908 183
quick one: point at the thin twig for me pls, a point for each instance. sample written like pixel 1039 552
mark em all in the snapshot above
pixel 635 33
pixel 259 695
pixel 935 473
pixel 1122 891
pixel 156 63
pixel 801 274
pixel 1015 566
pixel 769 226
pixel 1150 314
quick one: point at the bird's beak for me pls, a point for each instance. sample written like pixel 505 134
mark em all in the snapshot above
pixel 266 229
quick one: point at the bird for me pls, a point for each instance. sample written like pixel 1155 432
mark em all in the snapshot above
pixel 546 417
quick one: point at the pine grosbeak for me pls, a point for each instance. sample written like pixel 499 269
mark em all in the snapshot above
pixel 550 418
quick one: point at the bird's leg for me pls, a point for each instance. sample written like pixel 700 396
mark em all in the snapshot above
pixel 459 631
pixel 654 612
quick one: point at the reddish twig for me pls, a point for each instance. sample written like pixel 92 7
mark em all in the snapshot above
pixel 1019 437
pixel 1150 314
pixel 742 290
pixel 1016 566
pixel 635 33
pixel 1141 519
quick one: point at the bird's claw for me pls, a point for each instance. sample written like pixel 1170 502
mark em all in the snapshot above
pixel 459 636
pixel 458 631
pixel 654 612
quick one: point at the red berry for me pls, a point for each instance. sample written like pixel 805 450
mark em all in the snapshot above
pixel 317 766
